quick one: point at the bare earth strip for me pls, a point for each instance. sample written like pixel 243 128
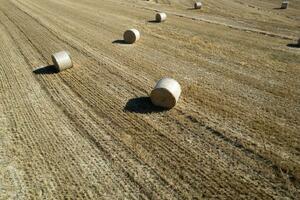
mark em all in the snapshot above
pixel 91 133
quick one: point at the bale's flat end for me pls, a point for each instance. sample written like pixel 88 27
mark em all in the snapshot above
pixel 62 60
pixel 197 5
pixel 160 17
pixel 131 36
pixel 163 98
pixel 284 5
pixel 166 93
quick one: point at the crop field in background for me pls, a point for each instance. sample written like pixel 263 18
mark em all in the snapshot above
pixel 91 132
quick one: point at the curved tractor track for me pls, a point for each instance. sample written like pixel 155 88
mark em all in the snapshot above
pixel 90 132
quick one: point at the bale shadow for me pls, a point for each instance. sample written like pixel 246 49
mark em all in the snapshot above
pixel 153 21
pixel 293 45
pixel 119 42
pixel 142 105
pixel 192 9
pixel 50 69
pixel 279 8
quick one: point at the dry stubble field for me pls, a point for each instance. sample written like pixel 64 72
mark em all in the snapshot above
pixel 91 132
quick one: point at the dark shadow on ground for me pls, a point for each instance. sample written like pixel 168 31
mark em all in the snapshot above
pixel 142 105
pixel 119 42
pixel 153 21
pixel 279 8
pixel 50 69
pixel 293 45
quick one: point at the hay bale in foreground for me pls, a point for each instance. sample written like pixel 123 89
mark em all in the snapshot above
pixel 166 93
pixel 62 60
pixel 197 5
pixel 160 17
pixel 131 36
pixel 284 4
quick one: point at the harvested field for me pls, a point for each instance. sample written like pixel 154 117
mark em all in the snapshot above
pixel 91 132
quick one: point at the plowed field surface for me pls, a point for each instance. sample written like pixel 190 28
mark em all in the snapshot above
pixel 91 132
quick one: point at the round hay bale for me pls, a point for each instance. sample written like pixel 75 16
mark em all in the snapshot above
pixel 131 36
pixel 284 4
pixel 62 60
pixel 160 17
pixel 197 5
pixel 166 93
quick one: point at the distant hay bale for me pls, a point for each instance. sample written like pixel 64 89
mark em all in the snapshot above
pixel 160 17
pixel 284 4
pixel 62 60
pixel 166 93
pixel 197 5
pixel 131 36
